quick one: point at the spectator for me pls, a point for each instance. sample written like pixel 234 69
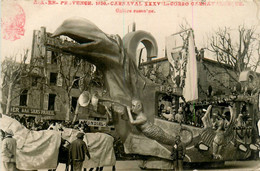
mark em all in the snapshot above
pixel 179 116
pixel 161 108
pixel 197 117
pixel 178 153
pixel 78 150
pixel 239 122
pixel 81 128
pixel 168 115
pixel 8 151
pixel 53 126
pixel 23 120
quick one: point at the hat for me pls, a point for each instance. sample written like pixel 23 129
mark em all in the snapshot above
pixel 9 132
pixel 80 135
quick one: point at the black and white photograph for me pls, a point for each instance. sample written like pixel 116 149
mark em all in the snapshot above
pixel 130 85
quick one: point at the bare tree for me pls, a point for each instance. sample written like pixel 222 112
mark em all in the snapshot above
pixel 13 72
pixel 72 73
pixel 240 51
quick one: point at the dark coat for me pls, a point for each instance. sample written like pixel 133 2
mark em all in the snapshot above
pixel 178 151
pixel 78 150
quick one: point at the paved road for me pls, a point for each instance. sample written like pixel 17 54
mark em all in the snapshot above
pixel 235 166
pixel 229 166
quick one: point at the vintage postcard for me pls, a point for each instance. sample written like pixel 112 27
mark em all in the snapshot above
pixel 130 84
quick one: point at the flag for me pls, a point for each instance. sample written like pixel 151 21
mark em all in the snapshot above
pixel 190 90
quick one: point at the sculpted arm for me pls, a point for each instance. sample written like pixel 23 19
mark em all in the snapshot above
pixel 167 116
pixel 139 120
pixel 208 110
pixel 205 119
pixel 231 113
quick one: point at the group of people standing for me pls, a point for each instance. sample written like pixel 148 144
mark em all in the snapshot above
pixel 184 115
pixel 78 150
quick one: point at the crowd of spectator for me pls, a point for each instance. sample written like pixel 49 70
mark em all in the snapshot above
pixel 36 125
pixel 183 114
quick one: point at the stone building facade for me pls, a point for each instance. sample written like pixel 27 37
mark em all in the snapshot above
pixel 215 79
pixel 52 89
pixel 212 75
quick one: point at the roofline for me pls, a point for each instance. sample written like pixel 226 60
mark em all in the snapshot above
pixel 216 62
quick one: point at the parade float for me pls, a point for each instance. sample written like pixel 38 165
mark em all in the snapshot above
pixel 125 80
pixel 166 87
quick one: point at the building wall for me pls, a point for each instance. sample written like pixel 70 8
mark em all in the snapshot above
pixel 211 73
pixel 44 49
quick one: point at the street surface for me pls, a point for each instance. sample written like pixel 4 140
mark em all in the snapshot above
pixel 229 166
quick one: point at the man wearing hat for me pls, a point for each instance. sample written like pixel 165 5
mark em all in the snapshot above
pixel 178 153
pixel 8 151
pixel 78 150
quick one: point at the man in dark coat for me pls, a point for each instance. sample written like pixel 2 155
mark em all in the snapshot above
pixel 78 150
pixel 178 153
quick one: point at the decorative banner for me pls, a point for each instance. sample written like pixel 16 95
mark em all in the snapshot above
pixel 190 91
pixel 96 123
pixel 31 111
pixel 176 45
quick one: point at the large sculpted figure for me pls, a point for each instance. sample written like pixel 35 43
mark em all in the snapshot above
pixel 122 78
pixel 138 129
pixel 146 127
pixel 217 133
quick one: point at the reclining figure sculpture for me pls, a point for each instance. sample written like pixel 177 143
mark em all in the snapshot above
pixel 122 77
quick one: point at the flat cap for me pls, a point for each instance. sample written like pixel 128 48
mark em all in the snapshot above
pixel 80 135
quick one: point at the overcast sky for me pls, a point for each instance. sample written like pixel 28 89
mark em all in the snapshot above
pixel 162 23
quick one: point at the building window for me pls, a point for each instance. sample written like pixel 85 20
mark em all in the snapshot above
pixel 51 103
pixel 53 78
pixel 54 57
pixel 76 82
pixel 23 98
pixel 34 81
pixel 77 62
pixel 74 101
